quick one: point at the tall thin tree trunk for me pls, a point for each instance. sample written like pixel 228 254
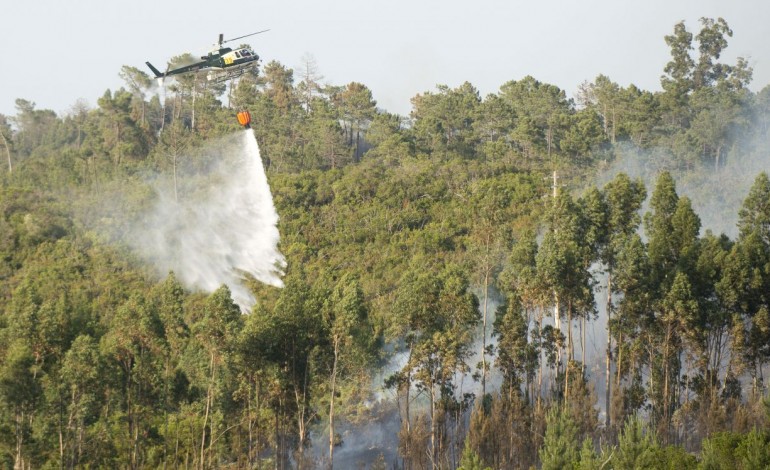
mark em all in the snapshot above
pixel 608 364
pixel 557 326
pixel 61 421
pixel 665 376
pixel 433 430
pixel 249 428
pixel 652 381
pixel 176 441
pixel 206 414
pixel 583 326
pixel 331 402
pixel 570 344
pixel 540 361
pixel 165 414
pixel 570 353
pixel 192 120
pixel 406 412
pixel 18 463
pixel 484 334
pixel 258 437
pixel 130 415
pixel 619 361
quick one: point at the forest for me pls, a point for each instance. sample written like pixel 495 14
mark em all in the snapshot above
pixel 443 272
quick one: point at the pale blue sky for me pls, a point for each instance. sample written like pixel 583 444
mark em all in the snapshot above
pixel 56 51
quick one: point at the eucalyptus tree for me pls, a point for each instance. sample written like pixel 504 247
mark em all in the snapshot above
pixel 707 336
pixel 217 331
pixel 755 212
pixel 703 99
pixel 517 357
pixel 615 218
pixel 84 392
pixel 677 81
pixel 168 297
pixel 20 392
pixel 494 203
pixel 672 228
pixel 346 321
pixel 563 262
pixel 748 279
pixel 524 289
pixel 712 40
pixel 438 314
pixel 131 348
pixel 632 325
pixel 291 334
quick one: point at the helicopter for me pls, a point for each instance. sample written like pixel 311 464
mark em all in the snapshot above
pixel 223 63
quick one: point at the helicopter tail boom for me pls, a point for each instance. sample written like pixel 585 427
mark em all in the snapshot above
pixel 155 71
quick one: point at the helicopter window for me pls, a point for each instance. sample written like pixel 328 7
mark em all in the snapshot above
pixel 237 54
pixel 245 53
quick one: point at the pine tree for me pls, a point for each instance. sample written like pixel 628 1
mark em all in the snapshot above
pixel 560 448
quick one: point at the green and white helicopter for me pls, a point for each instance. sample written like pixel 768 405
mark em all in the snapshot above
pixel 223 63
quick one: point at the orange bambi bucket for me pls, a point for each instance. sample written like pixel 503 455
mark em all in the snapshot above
pixel 244 118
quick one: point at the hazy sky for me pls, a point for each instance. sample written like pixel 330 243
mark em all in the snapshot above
pixel 56 51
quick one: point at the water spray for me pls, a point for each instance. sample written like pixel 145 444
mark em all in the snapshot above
pixel 222 230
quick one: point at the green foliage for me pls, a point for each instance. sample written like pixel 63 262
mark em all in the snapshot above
pixel 560 446
pixel 673 458
pixel 753 451
pixel 588 458
pixel 390 224
pixel 636 447
pixel 731 450
pixel 516 356
pixel 470 460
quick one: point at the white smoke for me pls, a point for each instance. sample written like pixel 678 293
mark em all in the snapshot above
pixel 221 229
pixel 716 193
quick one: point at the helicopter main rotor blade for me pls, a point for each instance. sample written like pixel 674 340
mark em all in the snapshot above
pixel 241 37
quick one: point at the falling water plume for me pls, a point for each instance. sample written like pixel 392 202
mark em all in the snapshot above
pixel 222 228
